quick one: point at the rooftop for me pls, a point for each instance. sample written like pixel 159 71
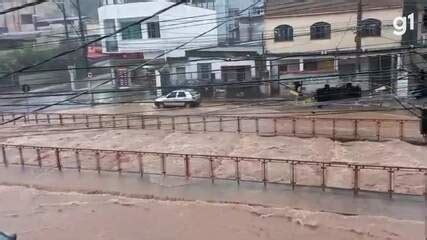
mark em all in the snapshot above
pixel 281 8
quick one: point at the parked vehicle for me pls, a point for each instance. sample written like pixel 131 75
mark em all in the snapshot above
pixel 337 93
pixel 179 98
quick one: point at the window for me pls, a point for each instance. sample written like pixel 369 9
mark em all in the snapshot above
pixel 326 65
pixel 234 32
pixel 133 32
pixel 320 30
pixel 371 28
pixel 288 68
pixel 180 74
pixel 204 71
pixel 181 95
pixel 111 42
pixel 172 95
pixel 283 33
pixel 26 18
pixel 153 29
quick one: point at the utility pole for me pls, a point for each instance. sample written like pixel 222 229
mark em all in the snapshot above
pixel 359 35
pixel 84 51
pixel 60 4
pixel 64 13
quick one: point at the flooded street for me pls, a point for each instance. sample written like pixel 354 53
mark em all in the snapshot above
pixel 39 215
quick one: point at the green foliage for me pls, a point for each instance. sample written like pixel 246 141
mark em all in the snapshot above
pixel 13 60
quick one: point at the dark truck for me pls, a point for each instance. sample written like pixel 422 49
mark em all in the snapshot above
pixel 337 93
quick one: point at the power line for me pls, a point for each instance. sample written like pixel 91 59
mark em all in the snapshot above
pixel 31 4
pixel 92 41
pixel 67 52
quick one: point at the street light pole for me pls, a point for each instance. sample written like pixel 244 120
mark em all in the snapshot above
pixel 84 51
pixel 61 6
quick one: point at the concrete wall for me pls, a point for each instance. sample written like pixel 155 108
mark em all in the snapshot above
pixel 173 32
pixel 341 40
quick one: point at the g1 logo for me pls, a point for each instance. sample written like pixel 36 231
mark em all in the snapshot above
pixel 400 24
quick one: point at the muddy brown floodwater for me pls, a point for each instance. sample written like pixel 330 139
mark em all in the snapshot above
pixel 40 215
pixel 390 153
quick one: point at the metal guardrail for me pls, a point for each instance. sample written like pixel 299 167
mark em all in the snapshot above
pixel 360 177
pixel 335 128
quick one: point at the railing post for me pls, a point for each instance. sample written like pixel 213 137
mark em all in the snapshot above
pixel 275 126
pixel 187 166
pixel 264 172
pixel 293 182
pixel 401 129
pixel 4 156
pixel 323 177
pixel 425 186
pixel 39 158
pixel 13 117
pixel 237 171
pixel 163 164
pixel 87 120
pixel 2 116
pixel 294 126
pixel 220 124
pixel 58 159
pixel 356 170
pixel 257 125
pixel 390 182
pixel 61 122
pixel 173 123
pixel 356 129
pixel 98 162
pixel 141 165
pixel 127 122
pixel 204 123
pixel 142 122
pixel 78 162
pixel 74 118
pixel 25 118
pixel 21 156
pixel 313 127
pixel 114 121
pixel 48 118
pixel 212 171
pixel 100 121
pixel 36 117
pixel 378 130
pixel 119 163
pixel 159 124
pixel 188 124
pixel 334 130
pixel 239 130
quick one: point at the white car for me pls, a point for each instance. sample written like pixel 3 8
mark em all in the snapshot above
pixel 179 98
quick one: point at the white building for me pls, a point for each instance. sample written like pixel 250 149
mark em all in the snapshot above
pixel 159 34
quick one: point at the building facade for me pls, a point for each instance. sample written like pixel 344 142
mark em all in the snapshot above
pixel 315 41
pixel 143 43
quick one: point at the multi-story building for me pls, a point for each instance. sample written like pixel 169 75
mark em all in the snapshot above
pixel 241 26
pixel 17 21
pixel 146 41
pixel 315 40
